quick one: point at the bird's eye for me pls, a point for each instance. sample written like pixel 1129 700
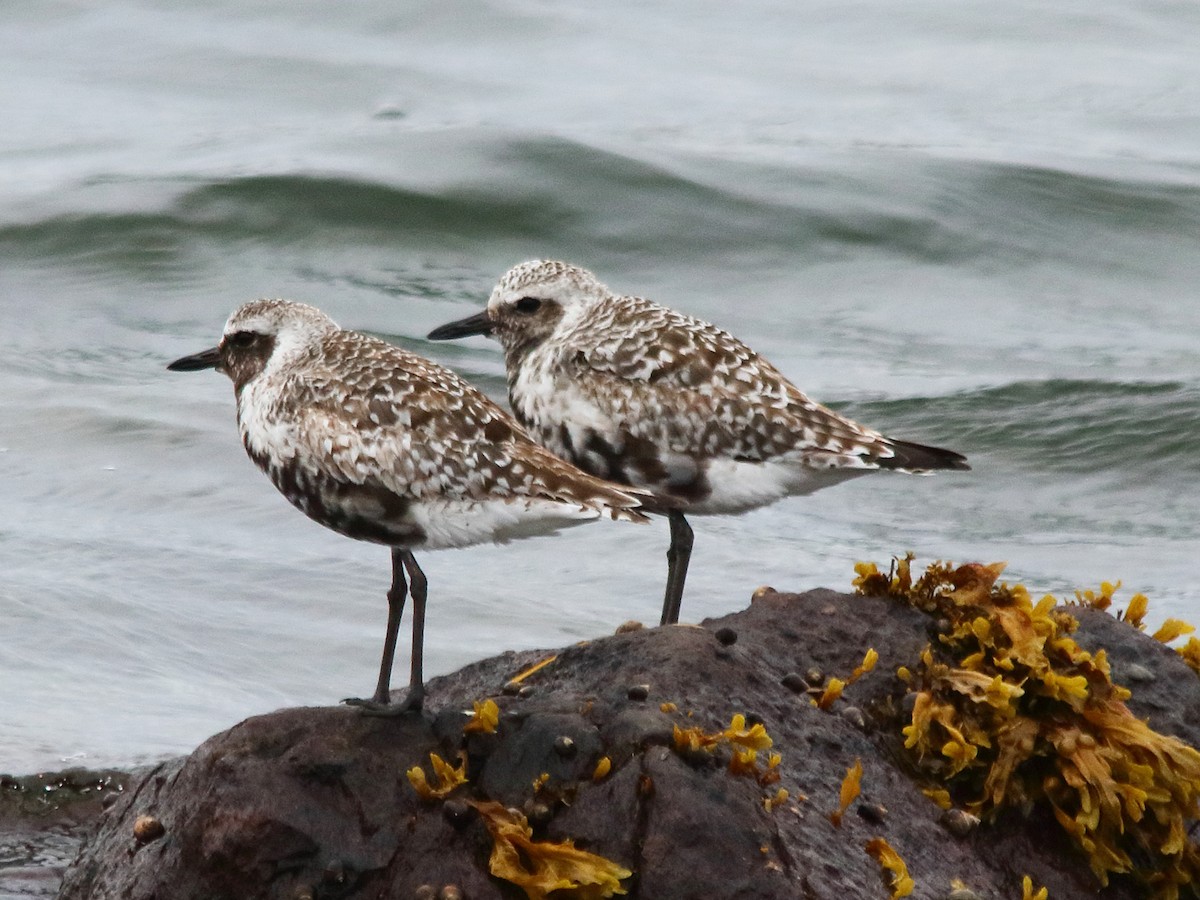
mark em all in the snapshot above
pixel 241 339
pixel 527 305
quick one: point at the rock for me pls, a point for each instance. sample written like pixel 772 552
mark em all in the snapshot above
pixel 315 802
pixel 43 819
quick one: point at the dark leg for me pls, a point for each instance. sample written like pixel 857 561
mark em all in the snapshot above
pixel 416 682
pixel 396 596
pixel 678 555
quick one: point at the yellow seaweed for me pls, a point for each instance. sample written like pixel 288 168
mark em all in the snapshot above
pixel 901 883
pixel 1009 710
pixel 484 719
pixel 851 788
pixel 1172 629
pixel 448 778
pixel 536 667
pixel 544 867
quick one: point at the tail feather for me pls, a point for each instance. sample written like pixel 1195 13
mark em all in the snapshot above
pixel 922 458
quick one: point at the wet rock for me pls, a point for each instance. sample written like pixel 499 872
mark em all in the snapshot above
pixel 315 802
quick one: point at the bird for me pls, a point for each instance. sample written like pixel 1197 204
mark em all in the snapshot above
pixel 382 445
pixel 646 396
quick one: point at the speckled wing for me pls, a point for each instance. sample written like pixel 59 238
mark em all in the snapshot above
pixel 691 388
pixel 390 418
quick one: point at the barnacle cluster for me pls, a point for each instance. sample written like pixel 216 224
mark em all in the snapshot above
pixel 1010 712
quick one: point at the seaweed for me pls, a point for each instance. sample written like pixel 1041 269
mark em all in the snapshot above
pixel 544 867
pixel 850 789
pixel 1011 713
pixel 901 883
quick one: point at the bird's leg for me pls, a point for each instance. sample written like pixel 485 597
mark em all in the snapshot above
pixel 678 555
pixel 396 596
pixel 420 586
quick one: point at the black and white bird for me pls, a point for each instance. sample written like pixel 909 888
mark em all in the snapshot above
pixel 640 394
pixel 384 446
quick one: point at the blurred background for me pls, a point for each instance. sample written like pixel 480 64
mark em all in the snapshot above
pixel 966 224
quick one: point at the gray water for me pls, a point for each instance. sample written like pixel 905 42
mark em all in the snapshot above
pixel 967 224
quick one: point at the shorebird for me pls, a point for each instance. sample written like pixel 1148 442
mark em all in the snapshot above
pixel 384 446
pixel 640 394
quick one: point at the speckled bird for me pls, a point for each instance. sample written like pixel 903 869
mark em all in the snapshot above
pixel 640 394
pixel 384 446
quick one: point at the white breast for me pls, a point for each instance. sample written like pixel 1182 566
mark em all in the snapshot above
pixel 460 523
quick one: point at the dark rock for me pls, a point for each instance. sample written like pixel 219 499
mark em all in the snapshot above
pixel 315 802
pixel 43 821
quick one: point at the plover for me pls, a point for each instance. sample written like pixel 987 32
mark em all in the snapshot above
pixel 382 445
pixel 640 394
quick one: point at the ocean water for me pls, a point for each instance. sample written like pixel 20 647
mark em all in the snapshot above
pixel 972 225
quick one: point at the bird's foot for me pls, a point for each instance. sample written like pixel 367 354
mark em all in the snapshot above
pixel 375 707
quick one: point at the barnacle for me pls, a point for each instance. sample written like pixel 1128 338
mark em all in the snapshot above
pixel 484 719
pixel 545 867
pixel 448 778
pixel 1010 710
pixel 901 883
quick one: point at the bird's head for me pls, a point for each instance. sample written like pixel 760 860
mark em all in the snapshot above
pixel 259 335
pixel 529 304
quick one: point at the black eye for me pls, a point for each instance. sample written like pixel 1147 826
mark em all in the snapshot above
pixel 241 339
pixel 527 305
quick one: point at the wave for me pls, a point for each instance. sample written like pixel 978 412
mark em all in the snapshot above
pixel 1143 428
pixel 553 192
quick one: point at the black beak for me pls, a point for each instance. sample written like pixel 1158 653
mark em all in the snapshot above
pixel 476 324
pixel 206 359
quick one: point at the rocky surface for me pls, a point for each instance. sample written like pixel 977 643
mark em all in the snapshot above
pixel 315 803
pixel 43 819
